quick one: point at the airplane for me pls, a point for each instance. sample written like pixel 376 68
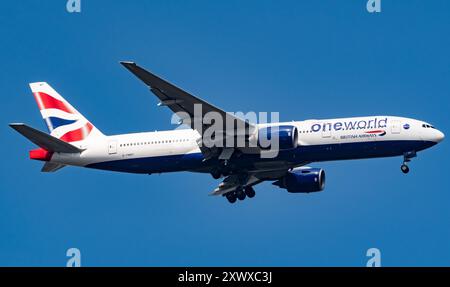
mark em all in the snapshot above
pixel 75 141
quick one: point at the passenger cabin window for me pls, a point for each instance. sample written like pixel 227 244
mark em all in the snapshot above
pixel 155 142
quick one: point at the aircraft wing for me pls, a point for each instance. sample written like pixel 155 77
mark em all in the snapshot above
pixel 186 106
pixel 175 98
pixel 249 178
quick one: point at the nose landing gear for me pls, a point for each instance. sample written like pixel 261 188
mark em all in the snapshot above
pixel 407 156
pixel 404 168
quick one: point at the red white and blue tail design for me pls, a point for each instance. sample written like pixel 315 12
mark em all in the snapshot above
pixel 62 119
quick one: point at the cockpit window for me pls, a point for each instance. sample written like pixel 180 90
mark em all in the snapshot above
pixel 428 126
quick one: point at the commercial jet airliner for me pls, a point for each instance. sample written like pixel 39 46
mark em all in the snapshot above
pixel 75 141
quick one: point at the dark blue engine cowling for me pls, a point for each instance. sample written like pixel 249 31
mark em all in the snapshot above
pixel 303 180
pixel 287 137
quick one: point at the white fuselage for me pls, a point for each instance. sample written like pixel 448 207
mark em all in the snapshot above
pixel 318 140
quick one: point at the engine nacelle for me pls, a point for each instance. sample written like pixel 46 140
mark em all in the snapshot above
pixel 303 180
pixel 278 137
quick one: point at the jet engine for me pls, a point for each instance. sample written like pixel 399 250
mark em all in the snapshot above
pixel 303 180
pixel 278 137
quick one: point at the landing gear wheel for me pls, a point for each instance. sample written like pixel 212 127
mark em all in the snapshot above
pixel 250 192
pixel 231 197
pixel 240 194
pixel 216 174
pixel 404 168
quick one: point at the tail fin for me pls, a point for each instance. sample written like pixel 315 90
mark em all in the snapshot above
pixel 63 120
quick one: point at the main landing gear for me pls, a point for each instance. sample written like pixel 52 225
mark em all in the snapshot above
pixel 407 156
pixel 216 174
pixel 240 193
pixel 223 170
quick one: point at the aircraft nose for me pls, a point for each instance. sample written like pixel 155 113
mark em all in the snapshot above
pixel 439 136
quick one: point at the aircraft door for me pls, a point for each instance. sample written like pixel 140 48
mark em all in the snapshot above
pixel 326 132
pixel 112 147
pixel 395 128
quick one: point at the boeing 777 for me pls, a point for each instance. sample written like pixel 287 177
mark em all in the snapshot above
pixel 75 141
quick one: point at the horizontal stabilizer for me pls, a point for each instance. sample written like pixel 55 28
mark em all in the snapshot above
pixel 51 167
pixel 45 141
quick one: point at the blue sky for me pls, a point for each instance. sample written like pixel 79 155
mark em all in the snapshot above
pixel 304 59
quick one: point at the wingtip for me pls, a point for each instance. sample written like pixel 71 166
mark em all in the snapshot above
pixel 127 63
pixel 16 124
